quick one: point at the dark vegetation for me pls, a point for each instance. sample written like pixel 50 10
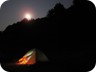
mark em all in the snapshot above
pixel 66 36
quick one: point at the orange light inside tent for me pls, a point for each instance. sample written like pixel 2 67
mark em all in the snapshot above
pixel 23 60
pixel 28 59
pixel 32 59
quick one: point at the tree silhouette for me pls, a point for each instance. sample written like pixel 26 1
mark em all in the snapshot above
pixel 58 10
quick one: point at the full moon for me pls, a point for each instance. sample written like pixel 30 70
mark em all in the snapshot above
pixel 28 16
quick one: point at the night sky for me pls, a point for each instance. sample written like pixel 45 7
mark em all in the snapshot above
pixel 13 11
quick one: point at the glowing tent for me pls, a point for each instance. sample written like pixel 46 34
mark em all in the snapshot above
pixel 32 56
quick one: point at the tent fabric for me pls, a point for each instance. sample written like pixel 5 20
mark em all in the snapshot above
pixel 33 56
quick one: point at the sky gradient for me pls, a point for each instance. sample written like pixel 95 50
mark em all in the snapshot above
pixel 13 11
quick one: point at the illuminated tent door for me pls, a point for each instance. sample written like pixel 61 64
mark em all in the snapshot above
pixel 32 56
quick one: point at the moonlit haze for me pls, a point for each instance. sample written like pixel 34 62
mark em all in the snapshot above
pixel 13 11
pixel 28 16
